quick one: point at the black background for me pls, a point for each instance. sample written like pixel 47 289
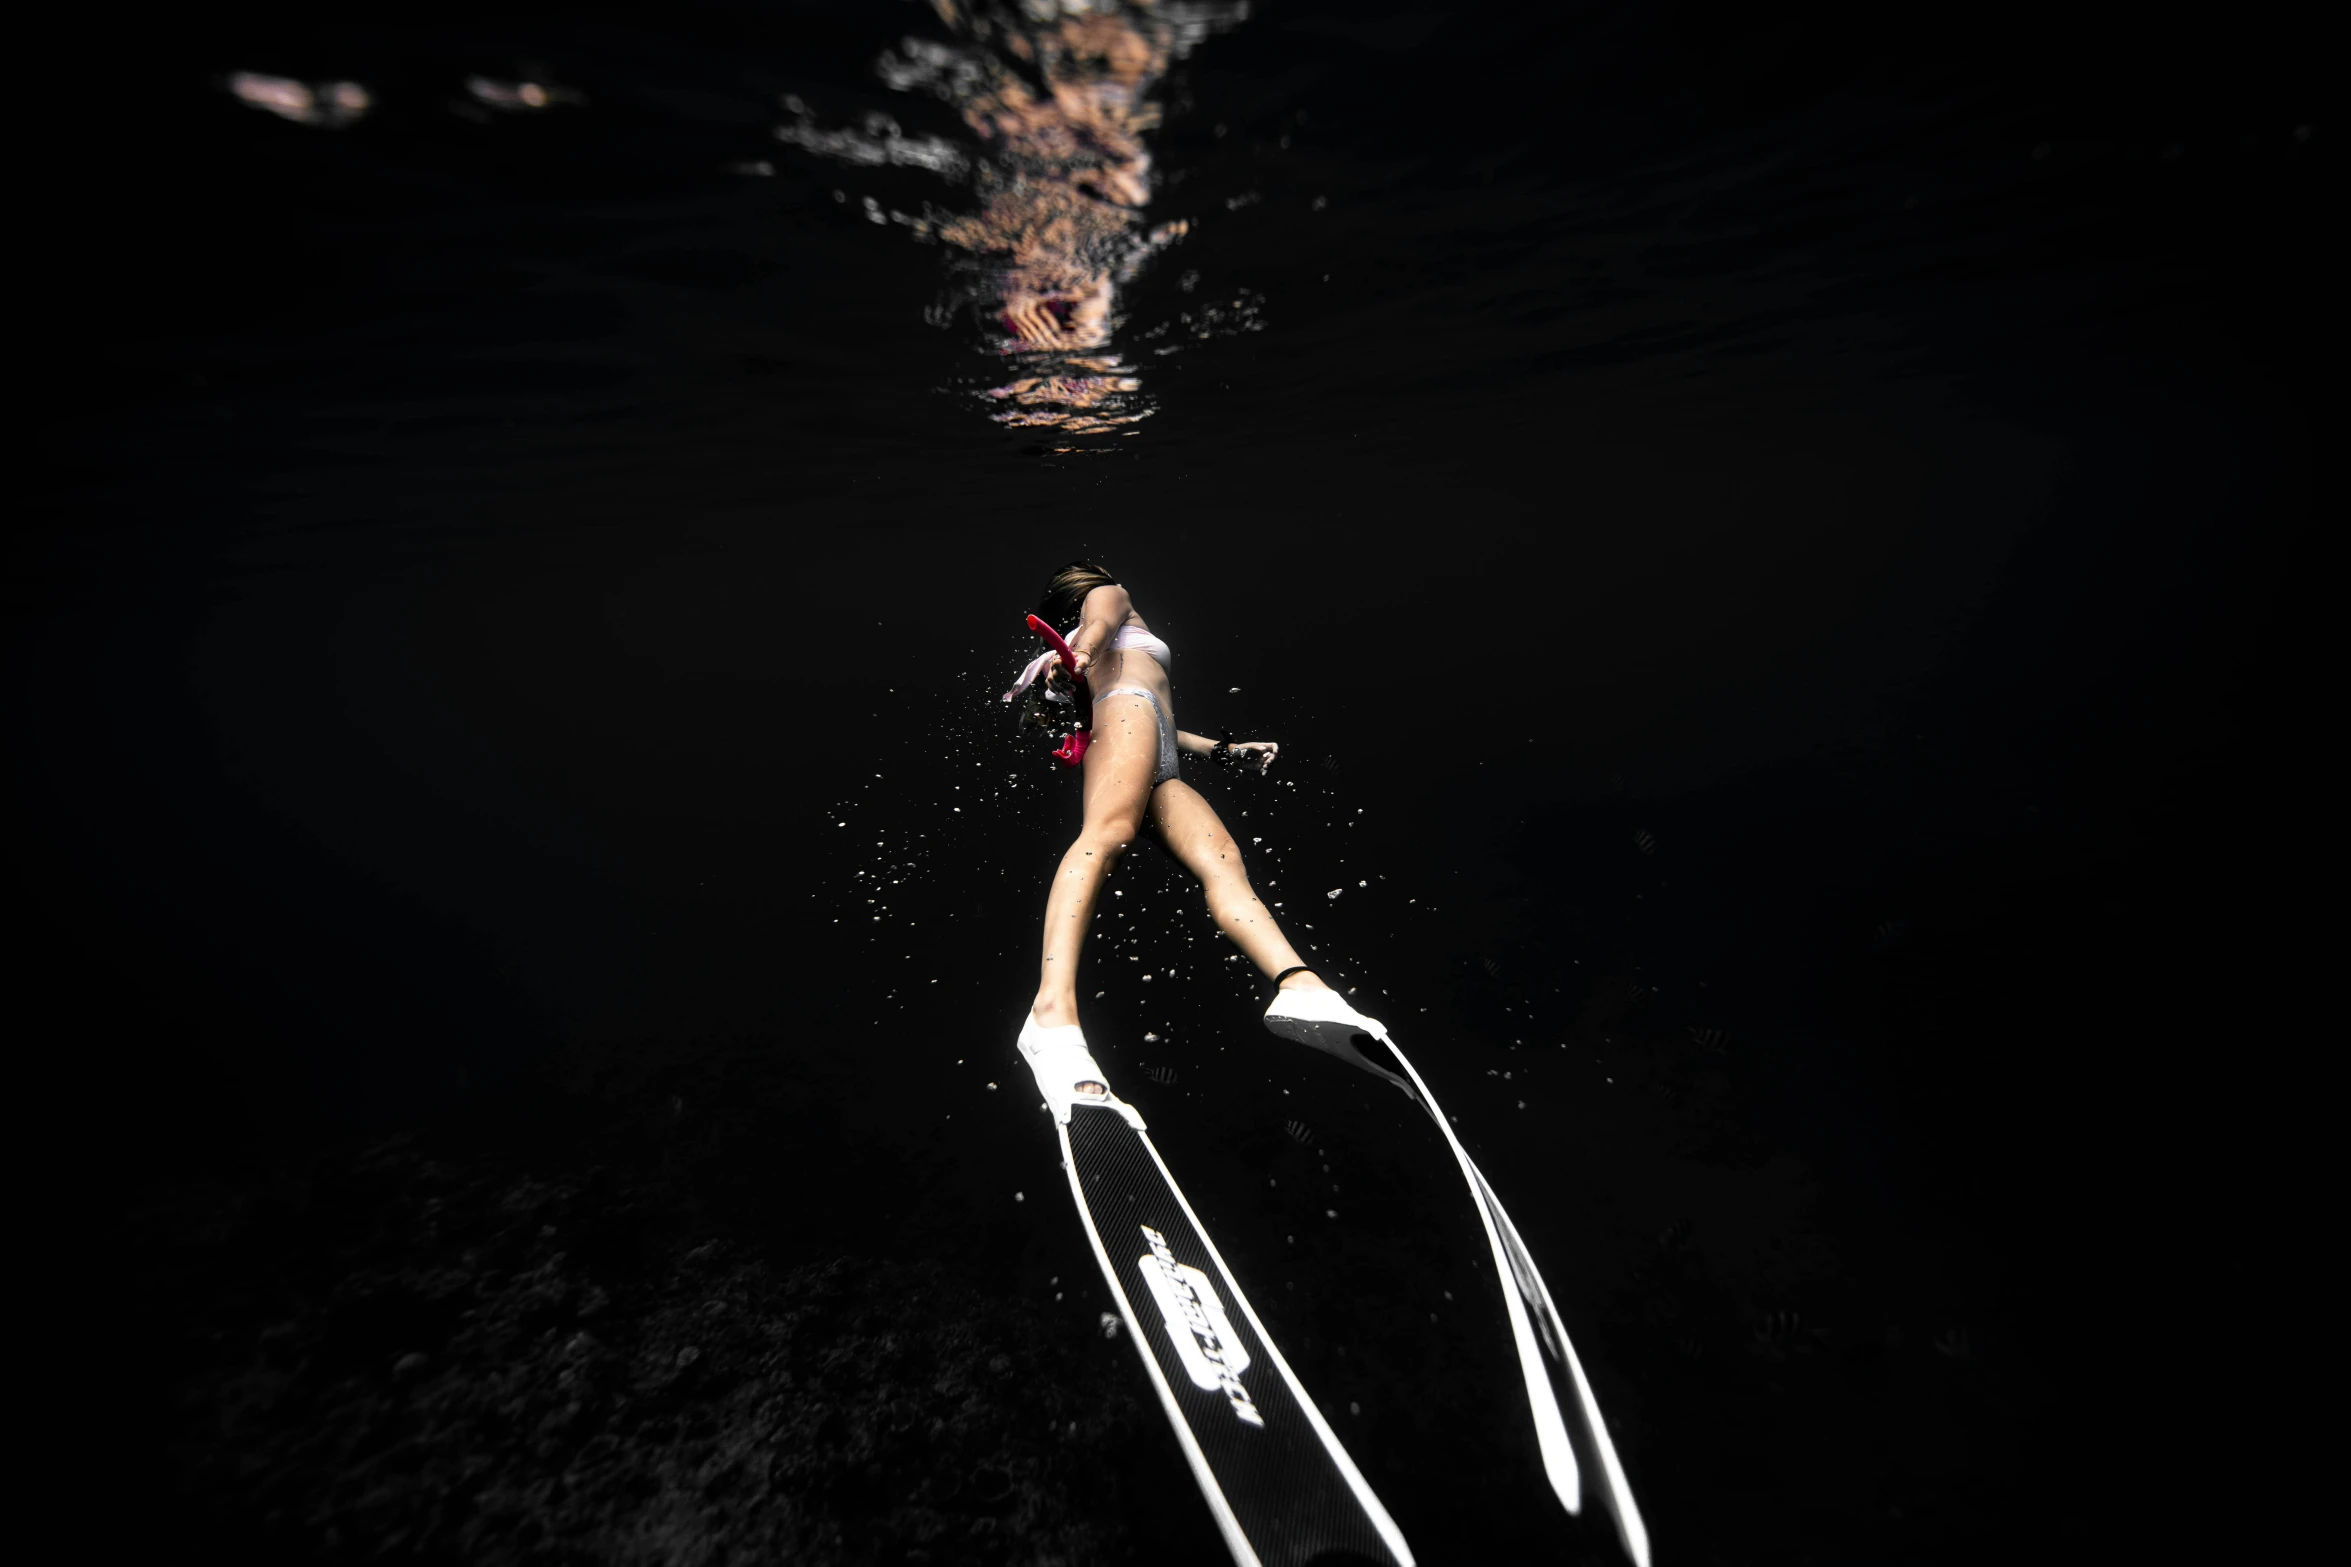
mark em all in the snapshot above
pixel 477 567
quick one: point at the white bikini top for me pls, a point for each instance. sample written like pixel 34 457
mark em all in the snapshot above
pixel 1143 641
pixel 1125 637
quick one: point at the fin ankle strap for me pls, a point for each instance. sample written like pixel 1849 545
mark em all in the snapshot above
pixel 1299 968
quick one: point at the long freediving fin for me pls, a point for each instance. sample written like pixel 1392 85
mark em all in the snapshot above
pixel 1275 1476
pixel 1569 1430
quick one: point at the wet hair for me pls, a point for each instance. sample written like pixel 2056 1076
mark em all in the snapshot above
pixel 1048 707
pixel 1066 590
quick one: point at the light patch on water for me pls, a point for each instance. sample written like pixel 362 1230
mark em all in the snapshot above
pixel 519 97
pixel 332 105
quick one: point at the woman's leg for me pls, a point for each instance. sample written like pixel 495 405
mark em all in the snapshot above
pixel 1121 761
pixel 1194 834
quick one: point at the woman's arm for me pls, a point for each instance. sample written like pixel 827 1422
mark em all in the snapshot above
pixel 1105 610
pixel 1261 752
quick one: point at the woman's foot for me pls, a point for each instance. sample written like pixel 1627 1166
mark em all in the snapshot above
pixel 1310 1014
pixel 1054 1011
pixel 1320 1017
pixel 1065 1070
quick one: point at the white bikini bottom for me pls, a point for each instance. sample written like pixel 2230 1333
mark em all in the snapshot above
pixel 1167 745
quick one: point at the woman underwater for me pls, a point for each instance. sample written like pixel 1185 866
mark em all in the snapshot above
pixel 1129 775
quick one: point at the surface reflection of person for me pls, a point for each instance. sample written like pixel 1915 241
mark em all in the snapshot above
pixel 1130 784
pixel 1063 108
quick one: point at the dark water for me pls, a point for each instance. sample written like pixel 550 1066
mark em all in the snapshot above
pixel 1762 539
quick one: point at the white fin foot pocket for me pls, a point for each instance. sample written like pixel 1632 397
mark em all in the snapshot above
pixel 1322 1019
pixel 1066 1072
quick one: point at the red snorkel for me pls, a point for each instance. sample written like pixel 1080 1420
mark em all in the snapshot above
pixel 1073 749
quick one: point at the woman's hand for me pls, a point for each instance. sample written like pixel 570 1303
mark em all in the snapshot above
pixel 1266 751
